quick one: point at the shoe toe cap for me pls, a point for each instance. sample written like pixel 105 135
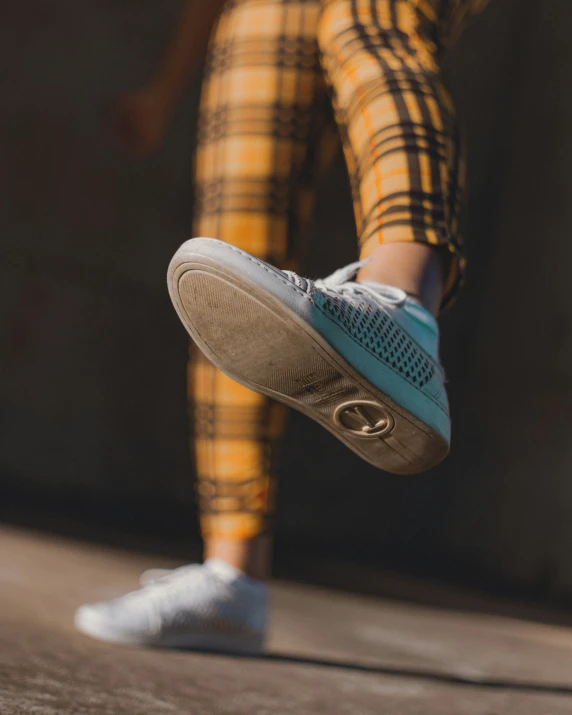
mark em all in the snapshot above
pixel 104 622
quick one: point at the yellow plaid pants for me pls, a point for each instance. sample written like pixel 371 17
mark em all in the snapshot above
pixel 274 71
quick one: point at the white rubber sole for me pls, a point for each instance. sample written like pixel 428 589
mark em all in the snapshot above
pixel 91 624
pixel 256 339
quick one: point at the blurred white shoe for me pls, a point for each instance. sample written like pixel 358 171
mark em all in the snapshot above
pixel 212 607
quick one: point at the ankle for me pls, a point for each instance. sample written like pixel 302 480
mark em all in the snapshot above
pixel 415 268
pixel 251 556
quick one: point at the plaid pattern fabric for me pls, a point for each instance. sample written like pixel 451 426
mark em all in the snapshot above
pixel 234 431
pixel 263 110
pixel 397 121
pixel 274 69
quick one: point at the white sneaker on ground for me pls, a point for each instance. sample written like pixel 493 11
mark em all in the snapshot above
pixel 211 607
pixel 359 358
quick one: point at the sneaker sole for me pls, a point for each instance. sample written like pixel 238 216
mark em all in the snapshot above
pixel 92 625
pixel 258 341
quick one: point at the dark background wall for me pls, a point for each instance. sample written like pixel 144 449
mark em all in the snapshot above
pixel 92 367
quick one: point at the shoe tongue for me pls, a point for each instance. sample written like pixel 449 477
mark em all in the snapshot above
pixel 223 570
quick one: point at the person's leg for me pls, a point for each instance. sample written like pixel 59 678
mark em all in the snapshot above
pixel 400 139
pixel 234 432
pixel 260 99
pixel 358 351
pixel 260 112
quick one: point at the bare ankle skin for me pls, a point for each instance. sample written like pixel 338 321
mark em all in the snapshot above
pixel 416 268
pixel 251 556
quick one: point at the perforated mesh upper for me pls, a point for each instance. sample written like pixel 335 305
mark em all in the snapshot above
pixel 378 332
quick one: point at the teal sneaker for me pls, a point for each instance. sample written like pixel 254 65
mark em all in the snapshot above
pixel 361 359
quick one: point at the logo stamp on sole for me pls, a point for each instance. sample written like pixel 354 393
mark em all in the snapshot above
pixel 363 418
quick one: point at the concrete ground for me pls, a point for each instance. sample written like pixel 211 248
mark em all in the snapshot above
pixel 329 652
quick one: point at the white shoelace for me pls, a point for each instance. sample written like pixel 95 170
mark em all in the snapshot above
pixel 376 292
pixel 337 283
pixel 175 575
pixel 171 584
